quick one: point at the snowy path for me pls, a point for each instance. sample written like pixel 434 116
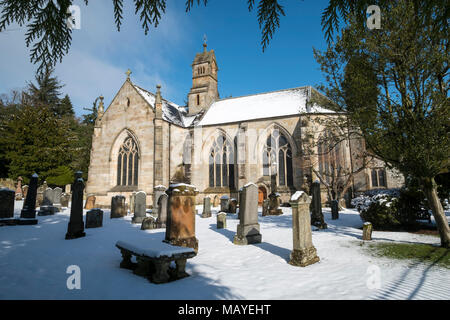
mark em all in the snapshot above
pixel 34 259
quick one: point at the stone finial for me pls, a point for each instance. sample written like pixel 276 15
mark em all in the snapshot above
pixel 101 108
pixel 204 42
pixel 158 102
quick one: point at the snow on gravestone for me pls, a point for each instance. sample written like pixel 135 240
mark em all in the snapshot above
pixel 180 225
pixel 248 227
pixel 303 253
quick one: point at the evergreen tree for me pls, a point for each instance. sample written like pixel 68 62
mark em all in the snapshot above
pixel 65 107
pixel 46 91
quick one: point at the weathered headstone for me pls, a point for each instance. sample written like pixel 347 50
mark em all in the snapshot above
pixel 265 207
pixel 75 228
pixel 304 253
pixel 232 206
pixel 139 207
pixel 157 192
pixel 216 201
pixel 334 209
pixel 6 203
pixel 248 227
pixel 90 202
pixel 19 192
pixel 47 197
pixel 206 207
pixel 47 206
pixel 132 201
pixel 221 220
pixel 118 209
pixel 180 225
pixel 367 231
pixel 94 218
pixel 224 201
pixel 274 203
pixel 317 218
pixel 68 189
pixel 40 194
pixel 57 192
pixel 148 223
pixel 65 197
pixel 25 191
pixel 162 210
pixel 29 206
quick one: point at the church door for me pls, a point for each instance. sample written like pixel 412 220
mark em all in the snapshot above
pixel 262 194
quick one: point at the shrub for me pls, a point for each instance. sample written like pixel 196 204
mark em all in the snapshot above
pixel 378 208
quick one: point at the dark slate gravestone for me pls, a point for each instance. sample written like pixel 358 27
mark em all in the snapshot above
pixel 118 208
pixel 28 213
pixel 76 225
pixel 139 207
pixel 94 218
pixel 317 214
pixel 6 203
pixel 334 209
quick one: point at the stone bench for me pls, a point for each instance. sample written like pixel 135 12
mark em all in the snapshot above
pixel 154 262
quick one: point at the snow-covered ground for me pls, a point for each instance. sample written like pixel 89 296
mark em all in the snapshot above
pixel 34 260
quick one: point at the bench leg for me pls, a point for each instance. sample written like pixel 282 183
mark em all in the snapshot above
pixel 180 270
pixel 161 274
pixel 126 260
pixel 143 267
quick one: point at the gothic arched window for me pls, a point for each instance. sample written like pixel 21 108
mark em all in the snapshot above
pixel 277 158
pixel 221 164
pixel 128 163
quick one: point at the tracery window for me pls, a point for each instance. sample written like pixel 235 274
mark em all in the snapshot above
pixel 277 158
pixel 221 164
pixel 378 177
pixel 128 163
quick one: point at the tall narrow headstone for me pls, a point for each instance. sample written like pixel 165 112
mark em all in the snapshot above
pixel 248 227
pixel 265 207
pixel 29 206
pixel 224 201
pixel 162 210
pixel 304 253
pixel 139 207
pixel 19 192
pixel 118 209
pixel 25 191
pixel 206 207
pixel 157 192
pixel 334 209
pixel 57 192
pixel 180 225
pixel 65 197
pixel 6 203
pixel 75 228
pixel 68 189
pixel 132 201
pixel 317 218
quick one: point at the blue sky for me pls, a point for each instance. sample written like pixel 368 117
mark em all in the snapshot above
pixel 99 55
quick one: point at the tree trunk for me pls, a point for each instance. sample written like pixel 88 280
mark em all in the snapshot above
pixel 438 212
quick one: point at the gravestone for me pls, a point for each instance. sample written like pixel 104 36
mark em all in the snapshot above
pixel 47 199
pixel 19 192
pixel 68 189
pixel 265 207
pixel 90 202
pixel 47 206
pixel 224 201
pixel 132 199
pixel 65 197
pixel 157 192
pixel 367 231
pixel 94 218
pixel 248 227
pixel 232 206
pixel 6 203
pixel 57 192
pixel 162 210
pixel 75 228
pixel 206 207
pixel 28 212
pixel 148 223
pixel 317 218
pixel 274 203
pixel 180 225
pixel 139 207
pixel 40 194
pixel 221 220
pixel 334 209
pixel 25 191
pixel 216 201
pixel 304 253
pixel 118 209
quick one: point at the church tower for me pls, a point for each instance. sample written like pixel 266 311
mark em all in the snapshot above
pixel 204 81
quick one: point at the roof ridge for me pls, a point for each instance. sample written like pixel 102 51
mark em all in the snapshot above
pixel 170 102
pixel 261 93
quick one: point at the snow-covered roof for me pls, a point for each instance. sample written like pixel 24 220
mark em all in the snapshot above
pixel 172 112
pixel 259 106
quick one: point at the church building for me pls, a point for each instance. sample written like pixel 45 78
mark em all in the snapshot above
pixel 143 142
